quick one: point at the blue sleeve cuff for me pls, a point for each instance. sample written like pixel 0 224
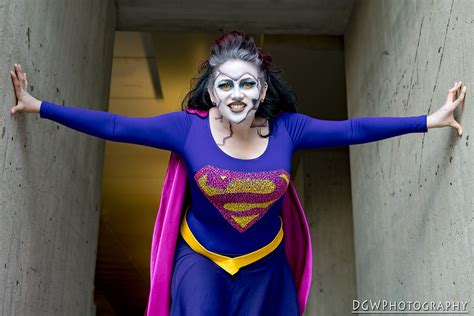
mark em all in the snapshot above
pixel 424 123
pixel 44 109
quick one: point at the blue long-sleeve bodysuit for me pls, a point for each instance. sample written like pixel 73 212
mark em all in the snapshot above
pixel 236 203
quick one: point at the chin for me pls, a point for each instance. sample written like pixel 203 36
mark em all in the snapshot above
pixel 236 117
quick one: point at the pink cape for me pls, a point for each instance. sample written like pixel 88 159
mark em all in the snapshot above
pixel 165 234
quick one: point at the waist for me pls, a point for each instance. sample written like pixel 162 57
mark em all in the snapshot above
pixel 230 264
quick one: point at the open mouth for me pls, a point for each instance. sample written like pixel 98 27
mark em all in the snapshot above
pixel 237 106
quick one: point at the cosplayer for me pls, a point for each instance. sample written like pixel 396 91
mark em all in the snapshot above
pixel 230 236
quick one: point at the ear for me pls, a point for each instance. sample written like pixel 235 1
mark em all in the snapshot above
pixel 263 91
pixel 211 95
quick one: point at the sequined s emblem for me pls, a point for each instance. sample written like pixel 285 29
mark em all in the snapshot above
pixel 242 197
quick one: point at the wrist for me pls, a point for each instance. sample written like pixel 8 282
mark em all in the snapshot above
pixel 429 122
pixel 37 106
pixel 432 121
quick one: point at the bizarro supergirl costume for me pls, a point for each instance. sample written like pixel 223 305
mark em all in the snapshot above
pixel 230 236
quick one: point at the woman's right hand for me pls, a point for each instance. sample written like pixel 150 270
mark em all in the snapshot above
pixel 25 102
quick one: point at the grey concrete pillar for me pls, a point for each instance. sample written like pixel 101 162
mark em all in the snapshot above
pixel 51 176
pixel 413 196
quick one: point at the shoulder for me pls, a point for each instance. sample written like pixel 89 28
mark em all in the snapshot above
pixel 290 119
pixel 179 121
pixel 295 124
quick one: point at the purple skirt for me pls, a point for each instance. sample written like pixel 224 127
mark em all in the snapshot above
pixel 200 287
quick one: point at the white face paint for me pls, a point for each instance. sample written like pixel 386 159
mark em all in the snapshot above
pixel 237 90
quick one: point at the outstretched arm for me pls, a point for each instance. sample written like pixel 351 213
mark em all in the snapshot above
pixel 307 132
pixel 166 131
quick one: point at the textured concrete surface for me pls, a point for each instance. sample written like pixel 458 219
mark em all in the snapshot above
pixel 51 176
pixel 321 17
pixel 413 198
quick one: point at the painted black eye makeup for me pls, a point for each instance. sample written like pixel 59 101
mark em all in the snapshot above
pixel 247 84
pixel 251 79
pixel 225 85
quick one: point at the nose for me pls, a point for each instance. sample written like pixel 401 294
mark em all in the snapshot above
pixel 237 94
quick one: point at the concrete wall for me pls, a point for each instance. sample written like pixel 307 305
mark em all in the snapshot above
pixel 412 195
pixel 51 175
pixel 314 67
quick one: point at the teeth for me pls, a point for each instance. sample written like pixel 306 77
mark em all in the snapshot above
pixel 237 108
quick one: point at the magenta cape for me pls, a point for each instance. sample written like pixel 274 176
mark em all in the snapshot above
pixel 165 234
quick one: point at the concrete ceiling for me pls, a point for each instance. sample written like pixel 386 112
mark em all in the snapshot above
pixel 316 17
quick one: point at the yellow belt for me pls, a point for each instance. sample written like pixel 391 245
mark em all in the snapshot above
pixel 229 264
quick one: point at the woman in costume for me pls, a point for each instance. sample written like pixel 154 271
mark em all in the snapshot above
pixel 230 236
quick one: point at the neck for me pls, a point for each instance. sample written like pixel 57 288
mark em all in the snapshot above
pixel 243 129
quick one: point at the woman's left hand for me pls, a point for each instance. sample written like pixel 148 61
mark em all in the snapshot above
pixel 444 116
